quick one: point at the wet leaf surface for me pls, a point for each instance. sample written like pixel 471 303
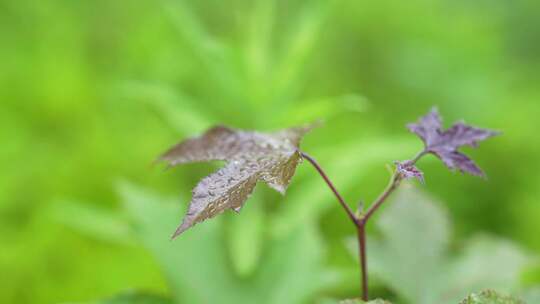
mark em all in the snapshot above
pixel 251 157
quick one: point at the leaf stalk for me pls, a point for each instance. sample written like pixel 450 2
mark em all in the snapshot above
pixel 360 219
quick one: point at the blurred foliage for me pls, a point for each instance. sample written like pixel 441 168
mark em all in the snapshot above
pixel 289 272
pixel 135 298
pixel 378 301
pixel 489 297
pixel 411 255
pixel 355 301
pixel 92 91
pixel 532 295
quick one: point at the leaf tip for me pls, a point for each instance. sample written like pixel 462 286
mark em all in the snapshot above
pixel 179 230
pixel 237 209
pixel 494 133
pixel 281 189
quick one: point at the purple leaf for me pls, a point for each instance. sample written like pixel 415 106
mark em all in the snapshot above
pixel 445 143
pixel 250 156
pixel 408 171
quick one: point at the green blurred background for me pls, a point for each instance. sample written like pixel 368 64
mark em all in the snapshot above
pixel 92 91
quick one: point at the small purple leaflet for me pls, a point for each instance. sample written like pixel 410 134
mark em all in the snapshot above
pixel 409 171
pixel 445 143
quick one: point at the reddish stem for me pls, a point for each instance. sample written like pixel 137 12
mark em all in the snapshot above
pixel 394 183
pixel 348 210
pixel 361 233
pixel 360 221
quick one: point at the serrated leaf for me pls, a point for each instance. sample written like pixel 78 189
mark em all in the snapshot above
pixel 490 297
pixel 445 143
pixel 251 157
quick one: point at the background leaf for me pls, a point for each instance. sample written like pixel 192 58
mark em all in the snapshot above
pixel 532 295
pixel 414 242
pixel 136 298
pixel 489 297
pixel 288 272
pixel 93 90
pixel 415 234
pixel 246 235
pixel 377 301
pixel 90 220
pixel 486 262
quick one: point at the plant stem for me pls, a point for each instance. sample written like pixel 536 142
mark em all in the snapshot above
pixel 346 207
pixel 361 230
pixel 360 221
pixel 395 180
pixel 394 183
pixel 418 156
pixel 361 233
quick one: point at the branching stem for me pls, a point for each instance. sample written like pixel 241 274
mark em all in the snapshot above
pixel 360 220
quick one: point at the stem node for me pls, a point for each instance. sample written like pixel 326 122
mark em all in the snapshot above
pixel 360 218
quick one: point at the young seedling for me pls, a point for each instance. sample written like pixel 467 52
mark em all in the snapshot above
pixel 273 157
